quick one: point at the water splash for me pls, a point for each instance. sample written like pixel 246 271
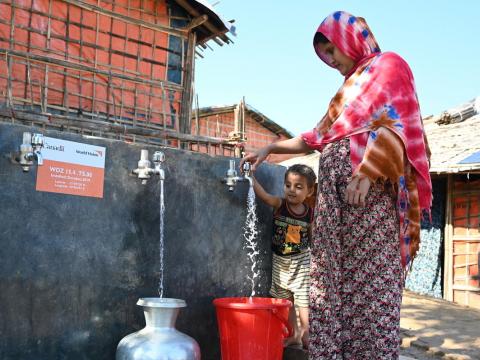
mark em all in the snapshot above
pixel 250 234
pixel 162 213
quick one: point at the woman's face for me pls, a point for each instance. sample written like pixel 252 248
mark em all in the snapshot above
pixel 335 57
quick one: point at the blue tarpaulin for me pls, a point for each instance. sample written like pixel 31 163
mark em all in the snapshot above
pixel 471 159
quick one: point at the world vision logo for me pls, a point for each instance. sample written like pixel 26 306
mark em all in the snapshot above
pixel 54 147
pixel 95 153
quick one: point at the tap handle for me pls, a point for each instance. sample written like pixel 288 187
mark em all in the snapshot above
pixel 158 156
pixel 246 168
pixel 37 140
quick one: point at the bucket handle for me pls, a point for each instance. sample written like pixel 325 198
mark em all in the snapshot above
pixel 285 323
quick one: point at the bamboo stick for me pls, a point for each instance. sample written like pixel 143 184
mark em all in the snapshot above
pixel 199 20
pixel 86 43
pixel 95 60
pixel 12 28
pixel 186 5
pixel 80 67
pixel 73 76
pixel 49 32
pixel 114 128
pixel 186 107
pixel 9 81
pixel 112 14
pixel 27 68
pixel 164 112
pixel 196 115
pixel 30 86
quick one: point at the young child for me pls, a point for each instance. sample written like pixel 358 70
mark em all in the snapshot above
pixel 291 244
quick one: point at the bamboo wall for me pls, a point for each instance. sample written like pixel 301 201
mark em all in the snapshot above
pixel 97 65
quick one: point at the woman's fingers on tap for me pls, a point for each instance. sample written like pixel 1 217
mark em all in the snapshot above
pixel 242 161
pixel 250 158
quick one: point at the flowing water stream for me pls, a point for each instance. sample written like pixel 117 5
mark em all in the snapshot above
pixel 250 235
pixel 162 213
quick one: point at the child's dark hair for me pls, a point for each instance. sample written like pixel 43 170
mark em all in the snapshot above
pixel 320 38
pixel 303 170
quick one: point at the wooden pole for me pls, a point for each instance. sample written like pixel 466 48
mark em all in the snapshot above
pixel 448 259
pixel 197 115
pixel 186 106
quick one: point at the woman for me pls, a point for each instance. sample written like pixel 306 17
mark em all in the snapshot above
pixel 373 184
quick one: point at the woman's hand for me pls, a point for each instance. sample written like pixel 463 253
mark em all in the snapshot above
pixel 294 145
pixel 255 158
pixel 357 190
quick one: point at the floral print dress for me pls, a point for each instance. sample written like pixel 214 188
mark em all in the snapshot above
pixel 356 271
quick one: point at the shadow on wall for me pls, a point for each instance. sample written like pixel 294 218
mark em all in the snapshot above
pixel 73 267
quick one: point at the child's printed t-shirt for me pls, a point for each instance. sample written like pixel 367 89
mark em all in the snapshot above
pixel 291 231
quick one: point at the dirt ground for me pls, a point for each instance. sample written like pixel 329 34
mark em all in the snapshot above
pixel 439 329
pixel 431 329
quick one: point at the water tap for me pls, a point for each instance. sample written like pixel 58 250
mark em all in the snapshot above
pixel 37 144
pixel 231 177
pixel 30 150
pixel 158 159
pixel 247 169
pixel 144 169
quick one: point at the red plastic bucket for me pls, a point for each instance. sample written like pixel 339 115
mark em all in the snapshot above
pixel 252 328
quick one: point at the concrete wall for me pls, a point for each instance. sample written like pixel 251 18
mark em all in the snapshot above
pixel 72 268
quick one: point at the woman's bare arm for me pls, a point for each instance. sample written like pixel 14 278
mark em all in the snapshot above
pixel 295 145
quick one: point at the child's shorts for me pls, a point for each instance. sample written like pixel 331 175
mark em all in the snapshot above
pixel 291 277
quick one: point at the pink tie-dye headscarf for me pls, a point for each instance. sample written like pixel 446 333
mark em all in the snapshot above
pixel 377 109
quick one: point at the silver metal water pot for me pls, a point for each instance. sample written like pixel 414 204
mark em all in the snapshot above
pixel 159 340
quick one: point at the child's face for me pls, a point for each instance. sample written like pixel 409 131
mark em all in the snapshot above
pixel 296 189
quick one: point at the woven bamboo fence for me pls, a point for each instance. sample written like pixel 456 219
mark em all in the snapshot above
pixel 118 69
